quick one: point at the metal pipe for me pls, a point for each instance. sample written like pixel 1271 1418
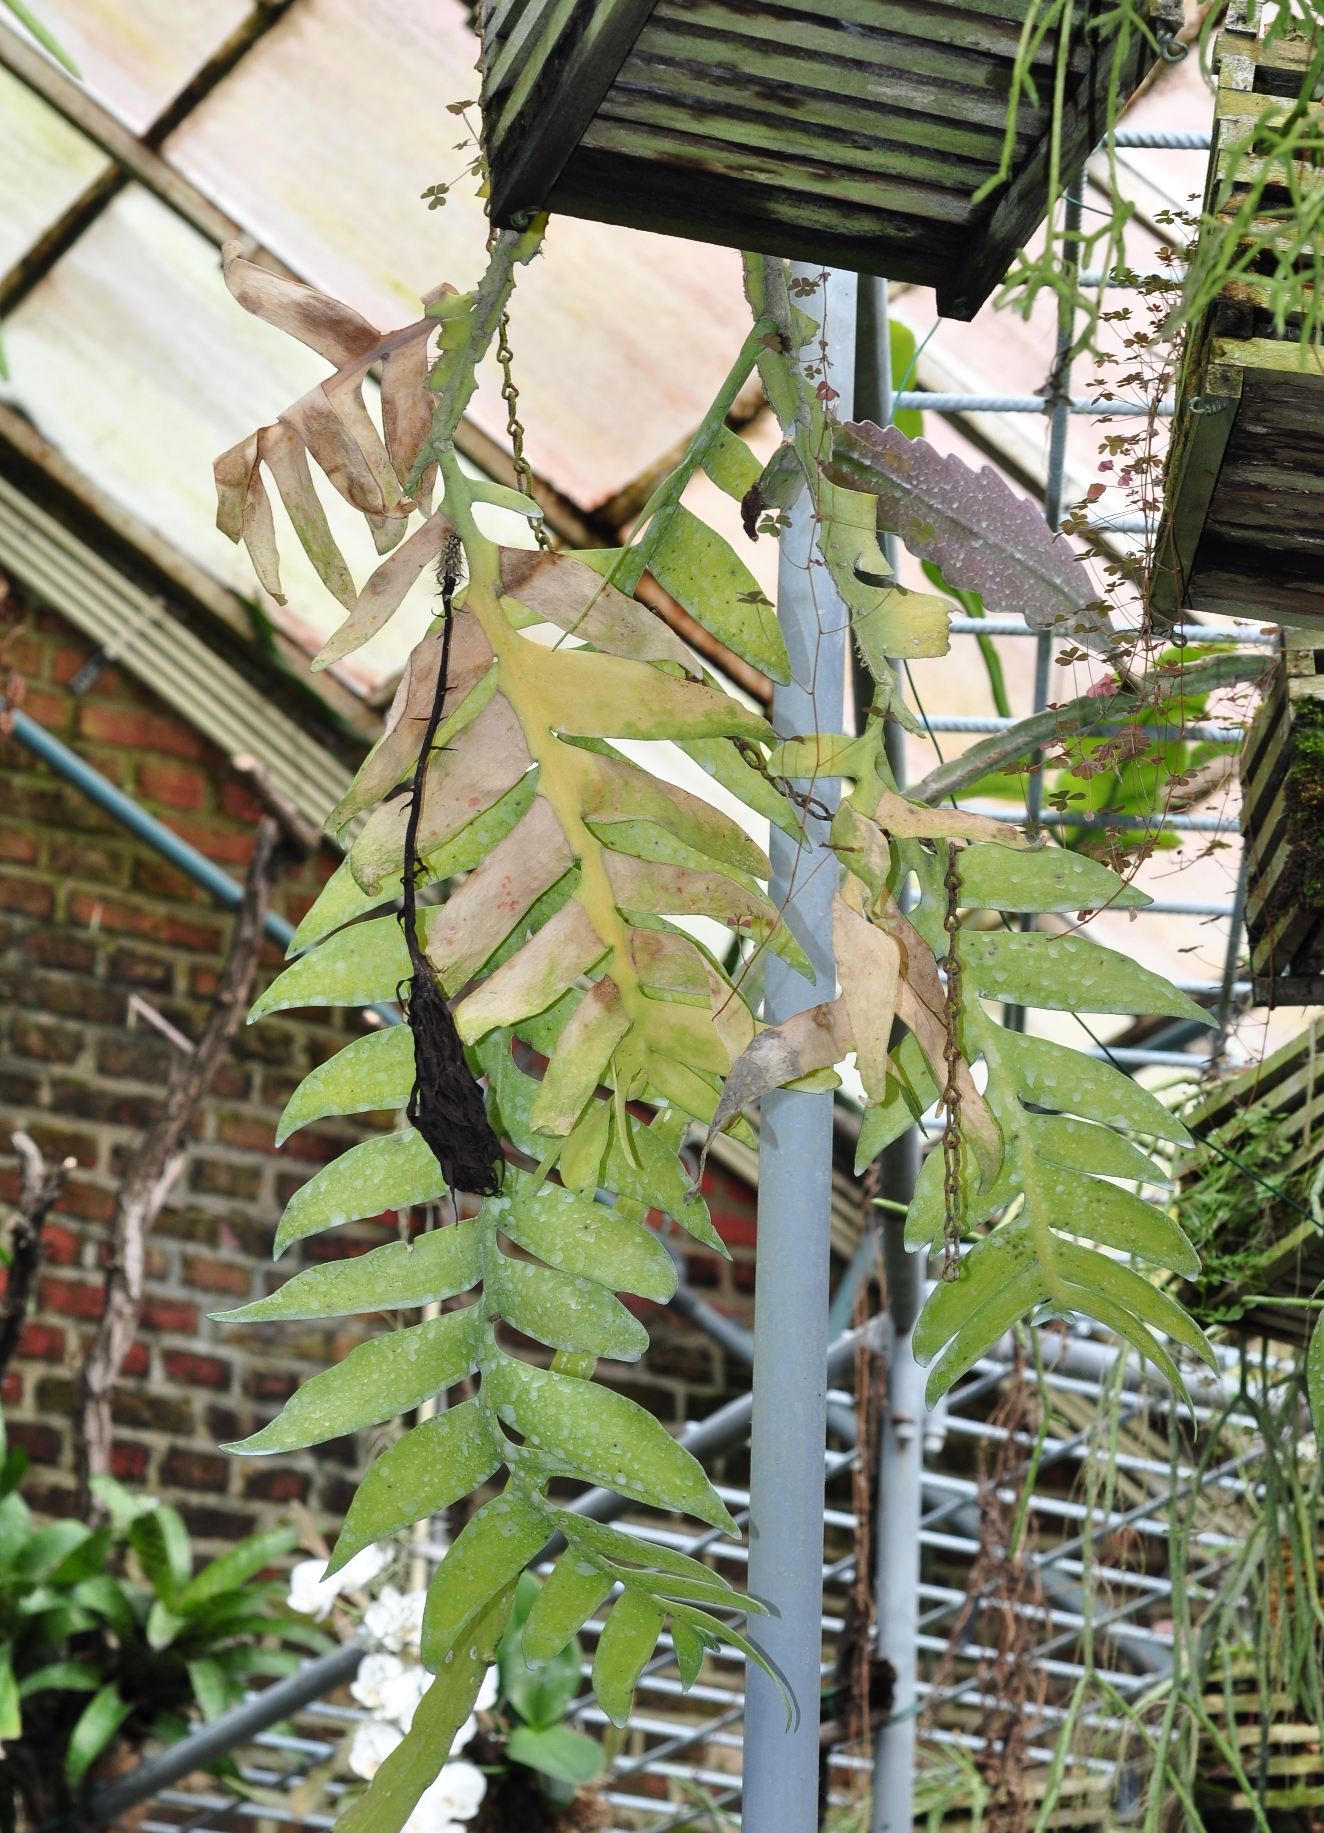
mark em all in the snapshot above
pixel 899 1502
pixel 1196 824
pixel 209 1742
pixel 135 818
pixel 1227 992
pixel 1179 633
pixel 931 401
pixel 727 1427
pixel 795 1192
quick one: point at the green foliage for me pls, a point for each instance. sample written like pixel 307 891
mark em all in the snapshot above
pixel 586 1009
pixel 535 1699
pixel 73 1624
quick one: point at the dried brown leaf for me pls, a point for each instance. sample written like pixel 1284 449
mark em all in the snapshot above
pixel 395 754
pixel 814 1039
pixel 286 457
pixel 488 758
pixel 921 1005
pixel 907 820
pixel 334 330
pixel 552 960
pixel 868 967
pixel 386 590
pixel 232 471
pixel 561 589
pixel 477 918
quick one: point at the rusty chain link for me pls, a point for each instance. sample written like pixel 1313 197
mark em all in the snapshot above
pixel 510 395
pixel 951 1095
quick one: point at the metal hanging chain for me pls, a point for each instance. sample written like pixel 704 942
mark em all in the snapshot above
pixel 951 1095
pixel 510 395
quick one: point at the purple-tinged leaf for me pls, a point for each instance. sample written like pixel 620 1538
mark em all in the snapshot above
pixel 971 523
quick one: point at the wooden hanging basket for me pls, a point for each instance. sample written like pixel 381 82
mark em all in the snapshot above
pixel 851 132
pixel 1282 818
pixel 1243 528
pixel 1276 1250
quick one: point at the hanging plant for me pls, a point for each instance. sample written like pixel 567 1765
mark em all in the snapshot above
pixel 563 941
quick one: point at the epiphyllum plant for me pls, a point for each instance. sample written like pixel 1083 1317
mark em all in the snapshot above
pixel 497 762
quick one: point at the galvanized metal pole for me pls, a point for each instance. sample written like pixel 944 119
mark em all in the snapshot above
pixel 899 1506
pixel 795 1188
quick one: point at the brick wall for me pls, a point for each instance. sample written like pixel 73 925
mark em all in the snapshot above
pixel 89 916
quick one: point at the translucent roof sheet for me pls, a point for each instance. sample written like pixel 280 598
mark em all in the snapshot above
pixel 44 166
pixel 130 356
pixel 136 55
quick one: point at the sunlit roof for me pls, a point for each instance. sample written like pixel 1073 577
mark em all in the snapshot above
pixel 127 353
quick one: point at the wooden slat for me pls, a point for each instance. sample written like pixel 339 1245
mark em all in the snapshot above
pixel 815 178
pixel 611 188
pixel 826 33
pixel 574 91
pixel 896 80
pixel 805 115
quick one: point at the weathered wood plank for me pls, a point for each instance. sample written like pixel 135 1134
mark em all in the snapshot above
pixel 872 84
pixel 613 188
pixel 795 140
pixel 871 39
pixel 911 72
pixel 813 179
pixel 685 82
pixel 605 41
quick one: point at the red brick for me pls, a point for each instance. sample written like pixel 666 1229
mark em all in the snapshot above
pixel 128 1461
pixel 138 970
pixel 237 799
pixel 270 1384
pixel 11 1389
pixel 46 1043
pixel 135 729
pixel 59 1246
pixel 18 847
pixel 86 1202
pixel 83 859
pixel 196 1470
pixel 60 948
pixel 173 785
pixel 276 1486
pixel 156 925
pixel 49 710
pixel 137 1361
pixel 245 1132
pixel 41 1343
pixel 232 846
pixel 43 1444
pixel 198 1371
pixel 72 1298
pixel 216 1275
pixel 169 1314
pixel 27 895
pixel 59 1142
pixel 27 655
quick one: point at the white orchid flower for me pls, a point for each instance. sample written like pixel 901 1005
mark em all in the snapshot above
pixel 396 1619
pixel 375 1673
pixel 374 1740
pixel 312 1593
pixel 455 1796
